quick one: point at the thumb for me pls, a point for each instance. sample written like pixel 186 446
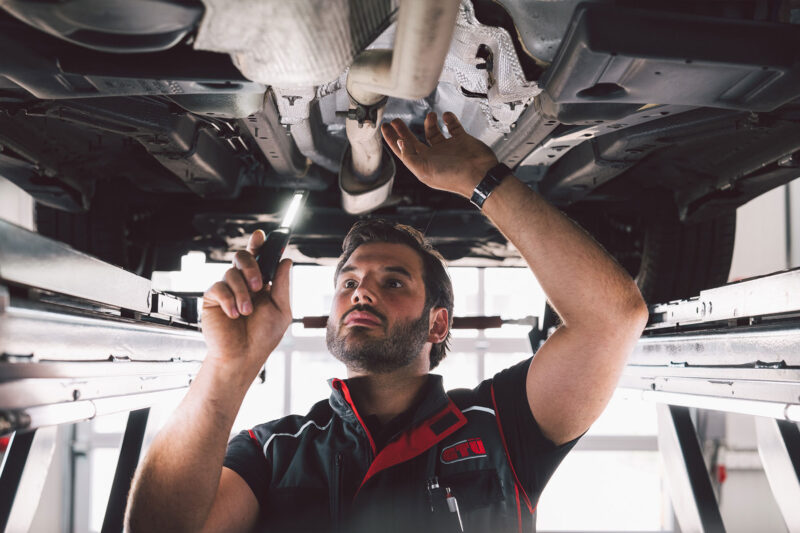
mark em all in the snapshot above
pixel 256 241
pixel 279 292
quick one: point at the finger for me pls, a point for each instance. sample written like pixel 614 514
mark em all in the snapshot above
pixel 398 146
pixel 236 284
pixel 246 262
pixel 432 132
pixel 220 295
pixel 256 241
pixel 391 137
pixel 407 149
pixel 279 292
pixel 410 143
pixel 454 127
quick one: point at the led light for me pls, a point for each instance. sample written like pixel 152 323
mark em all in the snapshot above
pixel 294 207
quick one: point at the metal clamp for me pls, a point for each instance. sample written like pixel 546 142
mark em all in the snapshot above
pixel 363 113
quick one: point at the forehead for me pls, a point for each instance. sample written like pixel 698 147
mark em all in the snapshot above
pixel 385 255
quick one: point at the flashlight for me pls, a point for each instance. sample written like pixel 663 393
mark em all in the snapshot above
pixel 271 251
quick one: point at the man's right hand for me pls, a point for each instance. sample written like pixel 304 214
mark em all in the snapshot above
pixel 181 485
pixel 244 320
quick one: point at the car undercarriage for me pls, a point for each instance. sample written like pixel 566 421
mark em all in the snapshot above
pixel 148 128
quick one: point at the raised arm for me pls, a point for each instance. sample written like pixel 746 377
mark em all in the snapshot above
pixel 181 484
pixel 575 372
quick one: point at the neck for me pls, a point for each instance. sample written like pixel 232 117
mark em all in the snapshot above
pixel 386 395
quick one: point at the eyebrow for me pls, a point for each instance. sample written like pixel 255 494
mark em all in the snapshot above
pixel 396 269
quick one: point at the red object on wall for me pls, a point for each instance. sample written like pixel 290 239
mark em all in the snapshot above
pixel 4 444
pixel 722 473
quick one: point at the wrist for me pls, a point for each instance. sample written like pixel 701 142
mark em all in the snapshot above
pixel 214 397
pixel 229 375
pixel 493 179
pixel 476 174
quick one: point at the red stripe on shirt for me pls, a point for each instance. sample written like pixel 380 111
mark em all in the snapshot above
pixel 341 385
pixel 508 455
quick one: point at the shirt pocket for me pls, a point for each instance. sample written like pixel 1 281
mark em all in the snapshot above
pixel 296 509
pixel 474 489
pixel 481 502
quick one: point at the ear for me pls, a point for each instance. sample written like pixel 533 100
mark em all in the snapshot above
pixel 438 325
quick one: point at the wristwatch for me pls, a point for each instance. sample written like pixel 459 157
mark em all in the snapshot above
pixel 493 177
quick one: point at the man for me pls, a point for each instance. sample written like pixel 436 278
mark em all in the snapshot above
pixel 390 443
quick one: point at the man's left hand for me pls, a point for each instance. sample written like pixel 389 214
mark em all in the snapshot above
pixel 455 164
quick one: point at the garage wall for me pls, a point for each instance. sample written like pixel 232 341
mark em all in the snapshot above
pixel 793 210
pixel 15 204
pixel 746 501
pixel 760 245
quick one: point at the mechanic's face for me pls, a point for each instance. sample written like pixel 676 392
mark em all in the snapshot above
pixel 378 322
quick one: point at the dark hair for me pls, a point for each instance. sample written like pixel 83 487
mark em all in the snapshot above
pixel 438 287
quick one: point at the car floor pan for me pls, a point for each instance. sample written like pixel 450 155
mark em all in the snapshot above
pixel 631 56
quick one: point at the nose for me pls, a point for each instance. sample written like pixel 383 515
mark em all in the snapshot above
pixel 362 294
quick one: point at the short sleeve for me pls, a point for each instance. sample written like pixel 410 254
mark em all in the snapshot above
pixel 533 456
pixel 245 457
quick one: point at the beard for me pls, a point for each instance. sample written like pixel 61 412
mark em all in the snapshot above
pixel 363 353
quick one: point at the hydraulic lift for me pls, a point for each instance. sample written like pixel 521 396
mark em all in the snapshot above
pixel 80 338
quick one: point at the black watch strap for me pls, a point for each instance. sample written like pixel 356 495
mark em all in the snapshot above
pixel 493 177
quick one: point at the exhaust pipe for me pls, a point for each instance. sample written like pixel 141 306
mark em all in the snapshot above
pixel 411 71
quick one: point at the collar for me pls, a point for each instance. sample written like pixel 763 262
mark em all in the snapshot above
pixel 433 400
pixel 435 418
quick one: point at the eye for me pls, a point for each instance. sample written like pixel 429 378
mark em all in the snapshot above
pixel 349 284
pixel 394 283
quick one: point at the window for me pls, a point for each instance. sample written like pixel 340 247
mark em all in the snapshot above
pixel 605 491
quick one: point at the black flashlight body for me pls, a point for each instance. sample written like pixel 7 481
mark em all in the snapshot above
pixel 271 251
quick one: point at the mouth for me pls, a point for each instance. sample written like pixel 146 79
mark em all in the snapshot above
pixel 362 318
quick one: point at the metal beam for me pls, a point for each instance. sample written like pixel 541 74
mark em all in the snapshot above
pixel 11 472
pixel 772 294
pixel 126 466
pixel 766 344
pixel 685 470
pixel 75 336
pixel 68 413
pixel 755 369
pixel 728 405
pixel 23 476
pixel 779 448
pixel 30 259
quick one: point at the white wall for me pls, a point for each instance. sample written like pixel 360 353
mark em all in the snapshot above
pixel 746 501
pixel 760 245
pixel 15 204
pixel 53 510
pixel 794 223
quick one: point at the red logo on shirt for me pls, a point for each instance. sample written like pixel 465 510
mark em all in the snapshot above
pixel 466 449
